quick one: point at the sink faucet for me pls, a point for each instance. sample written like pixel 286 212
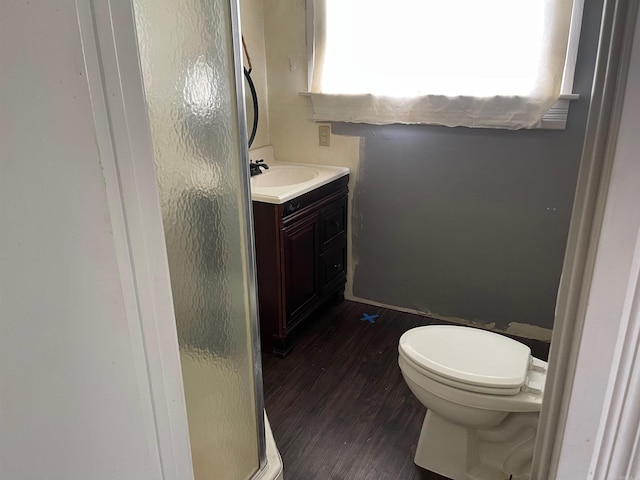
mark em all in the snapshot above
pixel 255 167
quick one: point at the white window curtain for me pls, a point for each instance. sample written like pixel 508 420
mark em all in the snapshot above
pixel 474 63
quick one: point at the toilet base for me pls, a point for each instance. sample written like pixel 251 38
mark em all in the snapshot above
pixel 463 453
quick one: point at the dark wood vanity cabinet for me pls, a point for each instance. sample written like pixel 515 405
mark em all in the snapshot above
pixel 301 257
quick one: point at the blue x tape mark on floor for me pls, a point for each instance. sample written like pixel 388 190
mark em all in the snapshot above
pixel 369 318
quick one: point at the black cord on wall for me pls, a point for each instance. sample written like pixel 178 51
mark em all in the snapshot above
pixel 254 99
pixel 254 95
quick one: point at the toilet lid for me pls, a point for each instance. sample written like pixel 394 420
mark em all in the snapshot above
pixel 467 355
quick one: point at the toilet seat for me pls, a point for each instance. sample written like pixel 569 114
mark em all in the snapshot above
pixel 522 401
pixel 471 359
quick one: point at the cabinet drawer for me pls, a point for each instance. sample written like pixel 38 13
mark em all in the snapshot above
pixel 314 199
pixel 333 221
pixel 333 267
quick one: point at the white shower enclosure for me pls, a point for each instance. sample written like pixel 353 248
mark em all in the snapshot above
pixel 190 59
pixel 190 64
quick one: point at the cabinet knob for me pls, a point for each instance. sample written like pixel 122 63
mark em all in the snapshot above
pixel 292 208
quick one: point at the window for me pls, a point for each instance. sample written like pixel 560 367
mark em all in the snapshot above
pixel 490 63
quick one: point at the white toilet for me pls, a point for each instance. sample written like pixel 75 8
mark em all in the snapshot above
pixel 483 393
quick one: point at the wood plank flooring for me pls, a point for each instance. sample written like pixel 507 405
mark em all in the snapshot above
pixel 338 405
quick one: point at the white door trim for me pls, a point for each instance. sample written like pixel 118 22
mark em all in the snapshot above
pixel 572 347
pixel 615 452
pixel 123 137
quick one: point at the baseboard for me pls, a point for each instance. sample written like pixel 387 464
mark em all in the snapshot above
pixel 522 330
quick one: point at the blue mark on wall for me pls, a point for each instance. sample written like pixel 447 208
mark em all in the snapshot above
pixel 369 318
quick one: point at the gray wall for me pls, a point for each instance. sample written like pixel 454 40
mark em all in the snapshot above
pixel 469 223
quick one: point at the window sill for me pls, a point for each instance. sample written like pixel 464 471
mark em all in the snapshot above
pixel 554 119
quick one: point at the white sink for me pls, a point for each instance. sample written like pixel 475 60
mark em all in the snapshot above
pixel 284 181
pixel 283 175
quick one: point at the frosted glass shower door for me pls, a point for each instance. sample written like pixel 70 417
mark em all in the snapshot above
pixel 188 51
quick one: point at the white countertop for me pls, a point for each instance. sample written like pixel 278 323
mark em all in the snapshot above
pixel 284 181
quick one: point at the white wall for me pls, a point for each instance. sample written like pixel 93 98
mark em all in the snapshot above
pixel 75 381
pixel 293 135
pixel 252 26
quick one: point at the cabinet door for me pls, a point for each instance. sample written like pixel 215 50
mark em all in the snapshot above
pixel 301 269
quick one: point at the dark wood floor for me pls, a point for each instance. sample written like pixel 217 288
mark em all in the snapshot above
pixel 338 406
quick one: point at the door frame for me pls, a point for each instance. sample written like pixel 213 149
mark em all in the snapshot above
pixel 110 56
pixel 575 346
